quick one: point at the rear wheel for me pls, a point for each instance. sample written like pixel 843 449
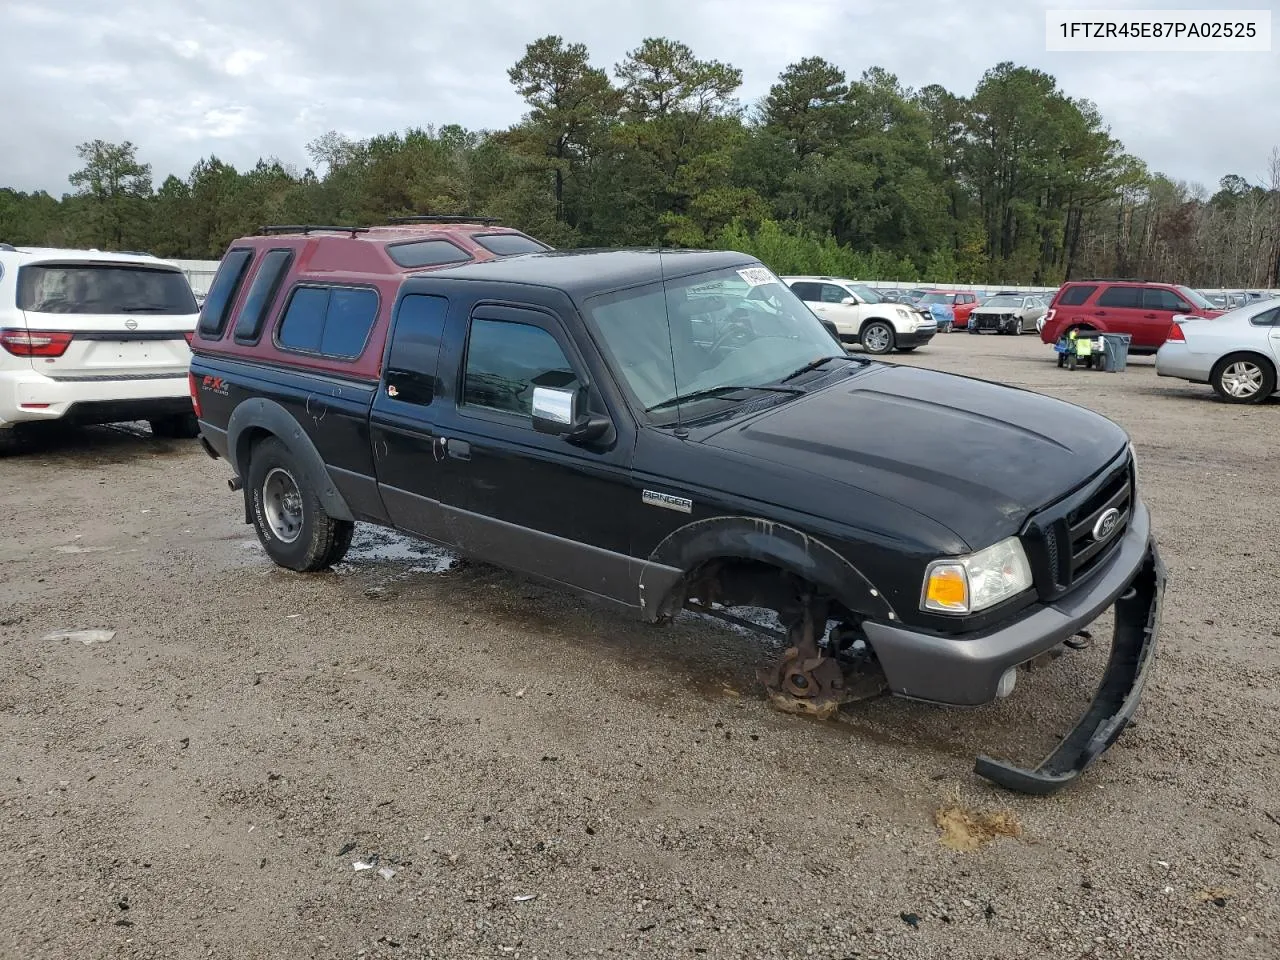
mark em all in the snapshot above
pixel 1243 378
pixel 877 337
pixel 288 516
pixel 178 426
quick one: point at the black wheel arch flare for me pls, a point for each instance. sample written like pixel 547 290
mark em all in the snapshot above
pixel 258 415
pixel 752 538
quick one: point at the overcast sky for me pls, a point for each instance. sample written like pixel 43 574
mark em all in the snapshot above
pixel 248 78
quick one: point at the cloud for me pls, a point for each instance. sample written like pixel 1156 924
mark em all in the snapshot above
pixel 244 79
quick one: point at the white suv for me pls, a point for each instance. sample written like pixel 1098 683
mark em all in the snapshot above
pixel 860 315
pixel 91 337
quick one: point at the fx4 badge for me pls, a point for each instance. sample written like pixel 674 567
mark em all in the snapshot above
pixel 655 499
pixel 215 385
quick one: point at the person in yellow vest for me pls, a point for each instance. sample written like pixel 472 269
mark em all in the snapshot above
pixel 1081 350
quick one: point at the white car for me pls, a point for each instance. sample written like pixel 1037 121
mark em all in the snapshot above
pixel 860 315
pixel 1237 353
pixel 94 337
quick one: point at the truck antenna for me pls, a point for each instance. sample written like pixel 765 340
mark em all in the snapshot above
pixel 681 431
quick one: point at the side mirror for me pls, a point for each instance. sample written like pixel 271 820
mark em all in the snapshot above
pixel 555 412
pixel 1183 308
pixel 850 301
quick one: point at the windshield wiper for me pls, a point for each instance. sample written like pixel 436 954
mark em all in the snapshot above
pixel 717 392
pixel 144 308
pixel 812 365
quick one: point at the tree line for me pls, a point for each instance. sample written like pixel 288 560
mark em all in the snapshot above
pixel 1015 183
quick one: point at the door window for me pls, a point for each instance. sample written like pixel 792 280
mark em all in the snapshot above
pixel 806 291
pixel 833 294
pixel 415 349
pixel 1156 299
pixel 1075 296
pixel 506 360
pixel 1121 297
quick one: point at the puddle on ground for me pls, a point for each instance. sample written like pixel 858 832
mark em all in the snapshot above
pixel 374 545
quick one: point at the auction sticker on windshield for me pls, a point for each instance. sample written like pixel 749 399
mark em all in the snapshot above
pixel 757 276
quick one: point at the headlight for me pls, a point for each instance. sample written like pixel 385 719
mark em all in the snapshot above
pixel 980 580
pixel 903 314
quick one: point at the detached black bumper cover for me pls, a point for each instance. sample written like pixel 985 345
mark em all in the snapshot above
pixel 1133 649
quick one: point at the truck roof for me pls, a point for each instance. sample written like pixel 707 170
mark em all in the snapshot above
pixel 585 273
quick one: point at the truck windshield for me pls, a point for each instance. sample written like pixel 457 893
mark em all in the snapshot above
pixel 1003 302
pixel 732 328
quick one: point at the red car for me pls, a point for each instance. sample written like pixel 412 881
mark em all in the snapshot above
pixel 960 302
pixel 1143 310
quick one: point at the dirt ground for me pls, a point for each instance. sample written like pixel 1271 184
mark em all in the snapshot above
pixel 547 780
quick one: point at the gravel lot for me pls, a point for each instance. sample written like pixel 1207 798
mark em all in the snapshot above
pixel 547 780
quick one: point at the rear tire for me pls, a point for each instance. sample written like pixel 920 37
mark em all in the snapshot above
pixel 11 442
pixel 877 337
pixel 178 426
pixel 1243 378
pixel 288 516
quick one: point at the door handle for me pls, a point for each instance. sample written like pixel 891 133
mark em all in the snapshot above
pixel 1099 313
pixel 458 449
pixel 1150 316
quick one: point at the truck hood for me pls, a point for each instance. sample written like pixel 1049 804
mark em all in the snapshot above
pixel 974 456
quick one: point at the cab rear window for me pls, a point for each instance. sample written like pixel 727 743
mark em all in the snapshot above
pixel 104 289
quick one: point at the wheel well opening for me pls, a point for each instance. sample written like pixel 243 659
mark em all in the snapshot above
pixel 727 583
pixel 1242 355
pixel 247 440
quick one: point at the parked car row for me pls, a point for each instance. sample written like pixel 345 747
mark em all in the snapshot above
pixel 860 315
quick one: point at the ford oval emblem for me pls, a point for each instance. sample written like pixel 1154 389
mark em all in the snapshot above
pixel 131 323
pixel 1106 524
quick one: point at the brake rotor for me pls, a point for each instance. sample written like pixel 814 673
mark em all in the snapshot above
pixel 800 684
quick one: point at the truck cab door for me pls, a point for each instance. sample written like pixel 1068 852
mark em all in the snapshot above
pixel 407 449
pixel 526 500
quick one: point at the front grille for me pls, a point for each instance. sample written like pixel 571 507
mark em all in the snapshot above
pixel 1060 541
pixel 987 321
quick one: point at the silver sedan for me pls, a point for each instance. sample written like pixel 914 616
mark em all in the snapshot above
pixel 1014 314
pixel 1237 353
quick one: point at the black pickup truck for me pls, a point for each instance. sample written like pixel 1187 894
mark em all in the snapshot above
pixel 668 430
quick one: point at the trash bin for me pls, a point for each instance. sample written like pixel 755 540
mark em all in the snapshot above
pixel 1115 348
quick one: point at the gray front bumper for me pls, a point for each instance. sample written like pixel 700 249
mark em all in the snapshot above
pixel 1134 581
pixel 966 670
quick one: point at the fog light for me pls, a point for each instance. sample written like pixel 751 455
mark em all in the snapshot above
pixel 1008 680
